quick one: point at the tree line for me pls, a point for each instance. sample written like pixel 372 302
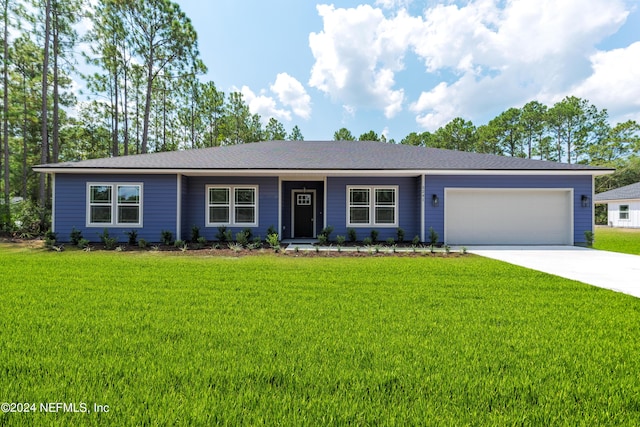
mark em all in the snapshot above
pixel 145 92
pixel 571 131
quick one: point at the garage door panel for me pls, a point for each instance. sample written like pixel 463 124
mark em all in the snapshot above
pixel 508 216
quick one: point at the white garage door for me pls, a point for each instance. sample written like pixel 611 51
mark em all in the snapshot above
pixel 477 216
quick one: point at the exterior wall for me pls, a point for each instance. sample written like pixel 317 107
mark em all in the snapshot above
pixel 408 206
pixel 435 184
pixel 634 214
pixel 158 206
pixel 287 187
pixel 194 211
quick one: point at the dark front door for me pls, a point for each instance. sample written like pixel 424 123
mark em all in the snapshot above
pixel 303 214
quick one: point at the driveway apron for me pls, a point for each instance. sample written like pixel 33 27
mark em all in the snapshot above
pixel 609 270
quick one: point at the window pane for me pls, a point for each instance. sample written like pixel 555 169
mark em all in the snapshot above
pixel 359 215
pixel 359 196
pixel 219 196
pixel 219 214
pixel 245 196
pixel 385 197
pixel 245 215
pixel 100 214
pixel 100 194
pixel 128 194
pixel 385 215
pixel 128 214
pixel 624 211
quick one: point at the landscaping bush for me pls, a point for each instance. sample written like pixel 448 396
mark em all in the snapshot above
pixel 433 236
pixel 166 237
pixel 224 235
pixel 353 235
pixel 132 237
pixel 400 233
pixel 75 236
pixel 374 235
pixel 195 233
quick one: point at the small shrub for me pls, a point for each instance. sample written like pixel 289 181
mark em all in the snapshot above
pixel 82 243
pixel 390 241
pixel 50 238
pixel 340 240
pixel 256 243
pixel 108 241
pixel 273 240
pixel 166 237
pixel 589 237
pixel 242 239
pixel 271 230
pixel 463 250
pixel 400 233
pixel 433 236
pixel 326 232
pixel 367 241
pixel 249 233
pixel 416 240
pixel 75 236
pixel 195 233
pixel 447 249
pixel 223 235
pixel 236 247
pixel 133 237
pixel 178 243
pixel 201 242
pixel 374 235
pixel 353 235
pixel 322 239
pixel 142 243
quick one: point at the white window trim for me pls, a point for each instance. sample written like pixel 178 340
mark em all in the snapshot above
pixel 628 218
pixel 232 201
pixel 114 205
pixel 372 206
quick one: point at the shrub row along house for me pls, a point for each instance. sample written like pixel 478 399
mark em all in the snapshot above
pixel 300 187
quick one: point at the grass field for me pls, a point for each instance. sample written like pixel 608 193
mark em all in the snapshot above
pixel 168 339
pixel 626 240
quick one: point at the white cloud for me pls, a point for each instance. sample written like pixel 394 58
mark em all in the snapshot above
pixel 485 55
pixel 614 81
pixel 357 54
pixel 263 105
pixel 503 57
pixel 292 94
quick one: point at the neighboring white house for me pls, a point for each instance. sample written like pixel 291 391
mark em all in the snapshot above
pixel 623 205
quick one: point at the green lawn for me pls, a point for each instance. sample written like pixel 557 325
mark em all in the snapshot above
pixel 169 339
pixel 626 240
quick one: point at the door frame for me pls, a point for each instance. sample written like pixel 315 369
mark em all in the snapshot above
pixel 293 209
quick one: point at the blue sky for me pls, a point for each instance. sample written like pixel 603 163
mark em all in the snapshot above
pixel 401 66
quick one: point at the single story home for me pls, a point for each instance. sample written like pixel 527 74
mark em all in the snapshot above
pixel 623 205
pixel 300 187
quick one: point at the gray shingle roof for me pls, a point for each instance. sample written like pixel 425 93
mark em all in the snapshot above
pixel 623 193
pixel 318 155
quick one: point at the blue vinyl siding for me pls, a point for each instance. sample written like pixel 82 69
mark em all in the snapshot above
pixel 581 184
pixel 158 206
pixel 194 210
pixel 408 205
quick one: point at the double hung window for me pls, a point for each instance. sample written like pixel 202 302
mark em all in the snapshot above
pixel 232 205
pixel 372 206
pixel 114 204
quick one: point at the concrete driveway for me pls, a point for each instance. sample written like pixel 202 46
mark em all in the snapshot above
pixel 609 270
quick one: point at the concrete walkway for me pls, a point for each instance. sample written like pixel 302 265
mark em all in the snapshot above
pixel 609 270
